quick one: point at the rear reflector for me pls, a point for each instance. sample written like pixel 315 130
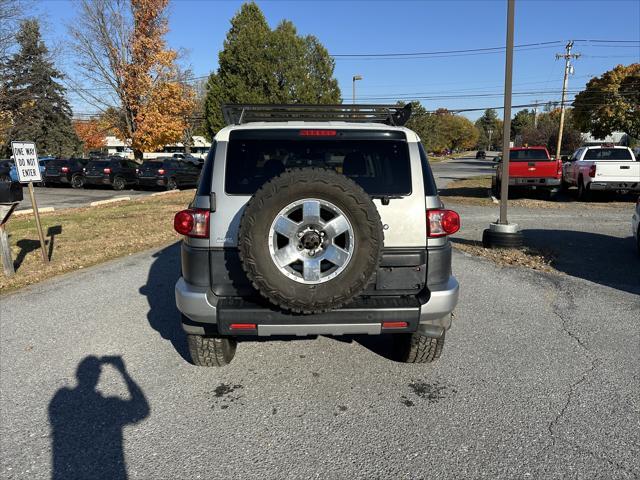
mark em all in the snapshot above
pixel 442 222
pixel 318 133
pixel 394 324
pixel 242 326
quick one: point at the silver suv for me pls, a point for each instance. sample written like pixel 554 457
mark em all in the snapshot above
pixel 330 225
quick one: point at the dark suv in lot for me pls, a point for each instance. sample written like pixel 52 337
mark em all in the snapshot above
pixel 327 227
pixel 115 172
pixel 168 173
pixel 65 172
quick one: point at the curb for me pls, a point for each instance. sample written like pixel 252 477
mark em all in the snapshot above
pixel 168 192
pixel 109 200
pixel 30 211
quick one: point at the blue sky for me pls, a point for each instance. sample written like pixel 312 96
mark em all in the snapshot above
pixel 348 27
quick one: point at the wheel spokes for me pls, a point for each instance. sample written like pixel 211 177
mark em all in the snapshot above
pixel 311 269
pixel 285 226
pixel 311 212
pixel 336 226
pixel 287 255
pixel 336 255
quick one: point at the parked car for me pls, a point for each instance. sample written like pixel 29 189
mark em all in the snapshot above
pixel 635 224
pixel 612 168
pixel 5 170
pixel 42 162
pixel 316 229
pixel 115 172
pixel 530 168
pixel 481 154
pixel 168 173
pixel 66 172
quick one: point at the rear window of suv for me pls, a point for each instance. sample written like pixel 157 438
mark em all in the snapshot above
pixel 607 154
pixel 377 160
pixel 527 155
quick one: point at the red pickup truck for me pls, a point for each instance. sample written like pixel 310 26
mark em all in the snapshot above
pixel 530 168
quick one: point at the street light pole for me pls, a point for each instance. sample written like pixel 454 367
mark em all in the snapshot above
pixel 353 96
pixel 490 132
pixel 501 234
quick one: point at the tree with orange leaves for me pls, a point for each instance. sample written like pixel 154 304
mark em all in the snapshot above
pixel 91 132
pixel 121 49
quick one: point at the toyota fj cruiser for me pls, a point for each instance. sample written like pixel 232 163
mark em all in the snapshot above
pixel 316 220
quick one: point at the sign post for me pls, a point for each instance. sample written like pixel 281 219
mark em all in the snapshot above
pixel 28 168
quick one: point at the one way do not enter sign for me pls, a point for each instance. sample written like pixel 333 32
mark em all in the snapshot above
pixel 26 158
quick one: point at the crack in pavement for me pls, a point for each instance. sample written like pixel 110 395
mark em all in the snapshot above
pixel 561 312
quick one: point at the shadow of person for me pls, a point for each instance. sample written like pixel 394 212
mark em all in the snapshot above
pixel 87 426
pixel 163 315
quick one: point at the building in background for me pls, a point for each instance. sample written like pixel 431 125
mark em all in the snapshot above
pixel 616 138
pixel 115 146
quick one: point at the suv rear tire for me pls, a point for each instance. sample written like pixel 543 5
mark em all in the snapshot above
pixel 215 351
pixel 283 285
pixel 418 348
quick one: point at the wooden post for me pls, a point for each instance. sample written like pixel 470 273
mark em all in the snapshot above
pixel 5 250
pixel 43 250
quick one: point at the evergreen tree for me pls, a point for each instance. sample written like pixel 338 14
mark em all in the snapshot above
pixel 260 65
pixel 489 122
pixel 35 102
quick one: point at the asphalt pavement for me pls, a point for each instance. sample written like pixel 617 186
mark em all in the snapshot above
pixel 66 197
pixel 460 168
pixel 538 379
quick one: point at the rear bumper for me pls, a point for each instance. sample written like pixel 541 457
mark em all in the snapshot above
pixel 534 182
pixel 97 180
pixel 152 182
pixel 207 313
pixel 56 179
pixel 630 186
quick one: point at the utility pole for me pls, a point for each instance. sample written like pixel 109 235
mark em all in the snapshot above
pixel 535 114
pixel 506 131
pixel 568 68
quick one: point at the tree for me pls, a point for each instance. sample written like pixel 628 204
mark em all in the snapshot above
pixel 459 131
pixel 10 14
pixel 489 129
pixel 91 133
pixel 260 65
pixel 123 56
pixel 522 120
pixel 610 103
pixel 546 134
pixel 35 102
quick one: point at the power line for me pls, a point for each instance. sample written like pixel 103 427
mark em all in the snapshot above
pixel 482 50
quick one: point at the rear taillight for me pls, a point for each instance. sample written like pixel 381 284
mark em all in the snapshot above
pixel 64 169
pixel 193 222
pixel 442 222
pixel 106 170
pixel 592 171
pixel 161 171
pixel 559 168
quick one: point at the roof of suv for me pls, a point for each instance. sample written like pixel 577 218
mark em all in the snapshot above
pixel 223 134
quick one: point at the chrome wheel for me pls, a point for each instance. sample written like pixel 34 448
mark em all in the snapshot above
pixel 311 241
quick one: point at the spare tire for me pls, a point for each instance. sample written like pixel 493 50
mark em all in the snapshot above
pixel 310 240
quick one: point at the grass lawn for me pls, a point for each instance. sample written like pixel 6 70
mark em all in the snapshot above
pixel 81 237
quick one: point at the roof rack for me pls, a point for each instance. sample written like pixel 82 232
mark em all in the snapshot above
pixel 237 114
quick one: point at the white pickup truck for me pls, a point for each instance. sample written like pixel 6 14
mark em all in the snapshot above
pixel 602 168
